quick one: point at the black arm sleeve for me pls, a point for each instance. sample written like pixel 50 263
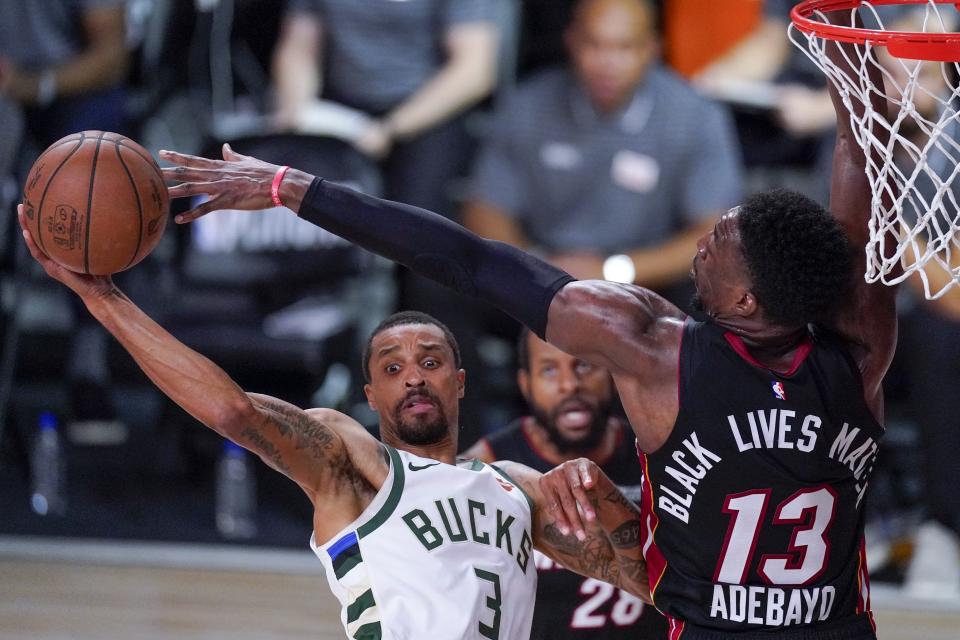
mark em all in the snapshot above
pixel 439 249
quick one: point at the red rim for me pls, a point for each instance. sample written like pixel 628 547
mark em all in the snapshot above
pixel 913 45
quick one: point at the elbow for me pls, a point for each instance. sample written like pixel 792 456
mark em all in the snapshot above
pixel 232 416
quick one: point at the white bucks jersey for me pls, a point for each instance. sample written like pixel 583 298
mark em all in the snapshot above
pixel 442 552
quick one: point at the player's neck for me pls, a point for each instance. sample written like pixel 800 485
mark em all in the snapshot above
pixel 772 345
pixel 444 451
pixel 539 438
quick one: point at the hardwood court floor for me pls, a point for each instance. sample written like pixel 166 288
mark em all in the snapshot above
pixel 43 600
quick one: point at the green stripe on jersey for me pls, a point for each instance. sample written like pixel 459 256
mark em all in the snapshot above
pixel 361 604
pixel 369 631
pixel 392 500
pixel 348 563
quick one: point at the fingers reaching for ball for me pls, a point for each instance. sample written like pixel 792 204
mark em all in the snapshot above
pixel 80 283
pixel 236 182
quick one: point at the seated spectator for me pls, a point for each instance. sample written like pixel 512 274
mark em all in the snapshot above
pixel 64 63
pixel 613 155
pixel 406 72
pixel 571 417
pixel 784 114
pixel 410 67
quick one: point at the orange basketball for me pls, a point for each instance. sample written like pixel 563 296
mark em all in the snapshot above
pixel 96 202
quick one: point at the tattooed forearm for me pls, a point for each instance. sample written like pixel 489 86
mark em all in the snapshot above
pixel 265 449
pixel 591 557
pixel 617 498
pixel 626 536
pixel 565 544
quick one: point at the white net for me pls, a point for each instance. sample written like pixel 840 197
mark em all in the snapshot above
pixel 915 207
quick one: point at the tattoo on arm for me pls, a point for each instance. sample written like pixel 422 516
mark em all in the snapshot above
pixel 294 423
pixel 626 536
pixel 618 498
pixel 266 449
pixel 602 555
pixel 589 557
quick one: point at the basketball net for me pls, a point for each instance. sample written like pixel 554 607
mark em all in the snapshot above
pixel 914 202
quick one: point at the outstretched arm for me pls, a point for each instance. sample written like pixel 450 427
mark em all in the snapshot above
pixel 607 546
pixel 869 319
pixel 520 284
pixel 311 448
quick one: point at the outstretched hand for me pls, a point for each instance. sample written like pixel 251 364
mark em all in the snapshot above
pixel 236 182
pixel 84 285
pixel 569 493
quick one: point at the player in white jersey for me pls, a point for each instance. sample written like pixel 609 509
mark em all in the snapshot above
pixel 471 543
pixel 418 547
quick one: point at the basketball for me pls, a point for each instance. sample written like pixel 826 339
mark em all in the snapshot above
pixel 96 202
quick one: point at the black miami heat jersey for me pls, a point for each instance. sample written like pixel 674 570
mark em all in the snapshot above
pixel 753 508
pixel 570 606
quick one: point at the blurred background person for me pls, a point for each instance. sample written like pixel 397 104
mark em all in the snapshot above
pixel 784 116
pixel 64 64
pixel 612 154
pixel 785 120
pixel 571 415
pixel 408 72
pixel 412 67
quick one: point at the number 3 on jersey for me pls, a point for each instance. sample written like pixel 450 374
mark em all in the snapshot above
pixel 492 630
pixel 808 542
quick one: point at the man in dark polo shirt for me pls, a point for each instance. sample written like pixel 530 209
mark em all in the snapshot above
pixel 570 404
pixel 613 155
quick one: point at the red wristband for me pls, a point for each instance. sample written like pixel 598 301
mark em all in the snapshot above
pixel 275 187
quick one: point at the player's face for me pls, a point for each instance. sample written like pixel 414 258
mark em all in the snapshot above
pixel 719 270
pixel 415 385
pixel 570 398
pixel 611 44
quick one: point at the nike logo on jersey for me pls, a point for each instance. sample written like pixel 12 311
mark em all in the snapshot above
pixel 417 467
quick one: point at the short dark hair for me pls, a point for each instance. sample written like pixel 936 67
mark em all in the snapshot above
pixel 523 349
pixel 404 318
pixel 798 256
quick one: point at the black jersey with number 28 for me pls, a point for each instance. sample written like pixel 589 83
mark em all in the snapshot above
pixel 753 508
pixel 570 606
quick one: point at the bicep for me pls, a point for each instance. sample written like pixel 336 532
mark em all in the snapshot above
pixel 303 446
pixel 619 327
pixel 869 318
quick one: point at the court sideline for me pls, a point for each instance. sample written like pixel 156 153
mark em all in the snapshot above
pixel 67 589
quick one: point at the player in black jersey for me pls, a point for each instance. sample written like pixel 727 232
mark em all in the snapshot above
pixel 571 403
pixel 759 426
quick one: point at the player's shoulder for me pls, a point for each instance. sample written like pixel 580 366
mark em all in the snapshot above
pixel 527 478
pixel 605 295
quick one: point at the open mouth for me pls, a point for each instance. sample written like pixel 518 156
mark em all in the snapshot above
pixel 419 403
pixel 574 414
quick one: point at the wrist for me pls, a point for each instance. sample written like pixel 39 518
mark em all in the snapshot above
pixel 294 187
